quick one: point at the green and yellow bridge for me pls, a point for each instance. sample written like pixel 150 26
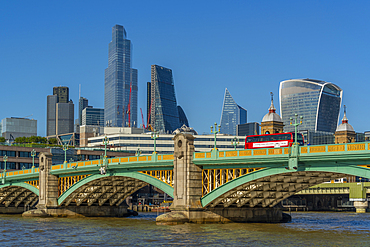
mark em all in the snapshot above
pixel 258 178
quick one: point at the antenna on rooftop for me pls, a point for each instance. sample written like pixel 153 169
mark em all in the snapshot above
pixel 79 92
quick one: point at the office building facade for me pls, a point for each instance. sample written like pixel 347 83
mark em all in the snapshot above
pixel 317 101
pixel 18 127
pixel 82 104
pixel 248 129
pixel 232 114
pixel 164 115
pixel 93 116
pixel 120 88
pixel 59 112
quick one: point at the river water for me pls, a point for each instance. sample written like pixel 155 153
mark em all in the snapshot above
pixel 306 229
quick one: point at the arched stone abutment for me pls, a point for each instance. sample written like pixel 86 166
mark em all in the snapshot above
pixel 108 190
pixel 17 197
pixel 269 186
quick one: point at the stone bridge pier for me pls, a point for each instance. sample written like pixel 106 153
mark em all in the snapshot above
pixel 49 193
pixel 187 207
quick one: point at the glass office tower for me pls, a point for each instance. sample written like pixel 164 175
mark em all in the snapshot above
pixel 164 115
pixel 120 79
pixel 232 115
pixel 82 104
pixel 317 101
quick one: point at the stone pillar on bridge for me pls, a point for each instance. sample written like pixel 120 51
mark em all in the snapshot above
pixel 187 183
pixel 187 176
pixel 48 184
pixel 48 189
pixel 187 206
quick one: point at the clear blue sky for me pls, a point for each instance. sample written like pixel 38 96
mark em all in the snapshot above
pixel 245 46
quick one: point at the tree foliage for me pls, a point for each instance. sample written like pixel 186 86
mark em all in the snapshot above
pixel 2 139
pixel 32 139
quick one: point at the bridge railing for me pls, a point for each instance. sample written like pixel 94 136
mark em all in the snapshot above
pixel 310 149
pixel 29 173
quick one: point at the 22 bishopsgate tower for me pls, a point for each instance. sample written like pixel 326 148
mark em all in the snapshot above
pixel 120 88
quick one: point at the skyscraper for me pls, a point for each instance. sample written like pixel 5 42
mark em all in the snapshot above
pixel 62 93
pixel 232 115
pixel 120 82
pixel 164 115
pixel 60 112
pixel 93 116
pixel 317 101
pixel 82 104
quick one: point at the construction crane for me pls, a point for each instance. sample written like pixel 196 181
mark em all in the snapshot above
pixel 28 116
pixel 142 118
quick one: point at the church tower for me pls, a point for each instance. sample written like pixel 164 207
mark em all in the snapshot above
pixel 272 122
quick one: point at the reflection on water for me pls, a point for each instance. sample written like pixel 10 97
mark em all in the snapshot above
pixel 320 229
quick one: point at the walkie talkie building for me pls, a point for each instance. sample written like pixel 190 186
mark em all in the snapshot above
pixel 317 101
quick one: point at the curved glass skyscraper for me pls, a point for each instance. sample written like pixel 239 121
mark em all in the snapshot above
pixel 317 101
pixel 232 115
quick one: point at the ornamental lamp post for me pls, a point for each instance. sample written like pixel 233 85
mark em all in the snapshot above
pixel 235 142
pixel 296 124
pixel 215 132
pixel 5 158
pixel 105 142
pixel 65 148
pixel 33 154
pixel 154 136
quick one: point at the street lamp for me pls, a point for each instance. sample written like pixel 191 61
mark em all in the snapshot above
pixel 138 152
pixel 33 154
pixel 65 148
pixel 235 142
pixel 105 142
pixel 215 132
pixel 154 136
pixel 5 158
pixel 296 124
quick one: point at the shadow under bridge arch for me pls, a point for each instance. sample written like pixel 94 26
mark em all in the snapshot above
pixel 100 189
pixel 268 186
pixel 18 194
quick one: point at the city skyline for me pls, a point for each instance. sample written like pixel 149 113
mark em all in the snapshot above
pixel 255 39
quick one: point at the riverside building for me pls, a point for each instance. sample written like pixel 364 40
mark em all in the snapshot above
pixel 132 139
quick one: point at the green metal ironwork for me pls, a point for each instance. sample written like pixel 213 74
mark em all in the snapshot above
pixel 33 154
pixel 155 136
pixel 235 142
pixel 22 184
pixel 215 132
pixel 136 175
pixel 65 148
pixel 214 194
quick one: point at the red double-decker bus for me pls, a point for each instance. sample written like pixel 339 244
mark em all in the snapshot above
pixel 272 140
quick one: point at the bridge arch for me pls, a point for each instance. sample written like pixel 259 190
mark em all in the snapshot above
pixel 269 186
pixel 112 188
pixel 18 194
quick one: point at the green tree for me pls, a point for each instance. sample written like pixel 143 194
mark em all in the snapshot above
pixel 2 139
pixel 53 141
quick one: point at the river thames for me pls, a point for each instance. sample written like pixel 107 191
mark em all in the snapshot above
pixel 306 229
